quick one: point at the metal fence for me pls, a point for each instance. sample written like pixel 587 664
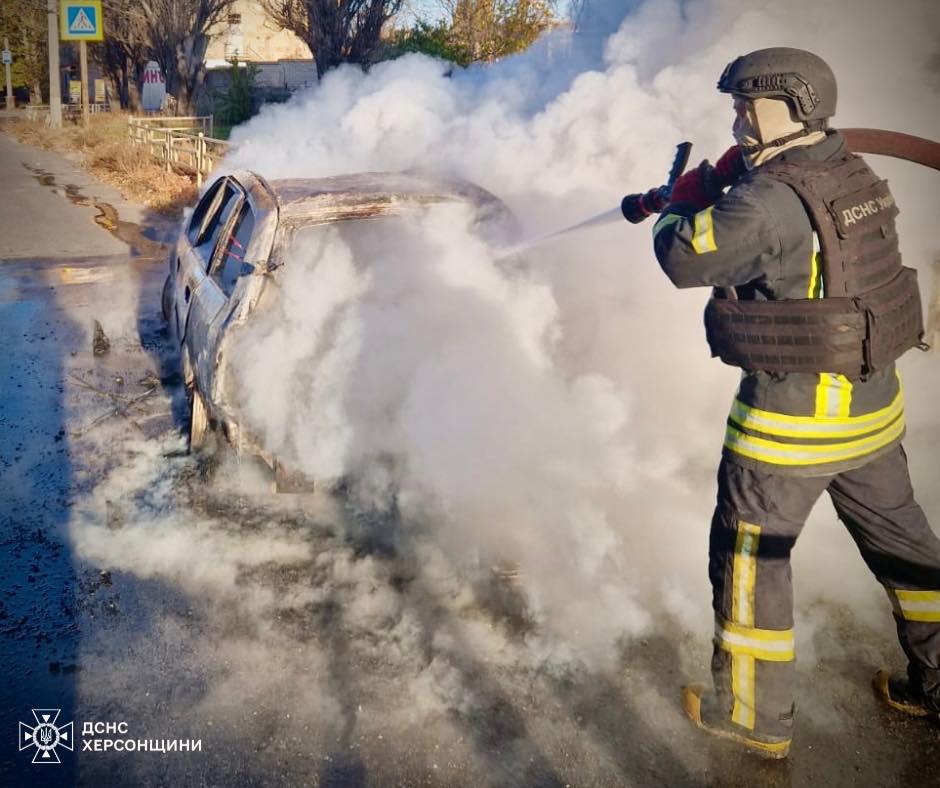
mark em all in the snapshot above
pixel 36 111
pixel 182 143
pixel 71 111
pixel 75 110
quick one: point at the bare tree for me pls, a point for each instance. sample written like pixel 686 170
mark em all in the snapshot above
pixel 337 31
pixel 177 33
pixel 491 29
pixel 124 51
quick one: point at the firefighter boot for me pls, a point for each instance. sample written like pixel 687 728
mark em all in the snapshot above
pixel 900 693
pixel 698 703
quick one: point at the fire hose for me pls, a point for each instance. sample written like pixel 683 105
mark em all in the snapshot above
pixel 637 207
pixel 893 143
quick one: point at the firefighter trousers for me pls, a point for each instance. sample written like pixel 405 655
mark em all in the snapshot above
pixel 757 520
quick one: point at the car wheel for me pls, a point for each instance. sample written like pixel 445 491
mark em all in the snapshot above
pixel 198 423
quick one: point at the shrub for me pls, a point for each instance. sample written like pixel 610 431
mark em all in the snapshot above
pixel 235 104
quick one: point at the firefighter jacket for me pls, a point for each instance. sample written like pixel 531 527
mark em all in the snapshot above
pixel 758 239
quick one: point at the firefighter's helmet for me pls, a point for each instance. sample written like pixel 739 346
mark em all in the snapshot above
pixel 800 78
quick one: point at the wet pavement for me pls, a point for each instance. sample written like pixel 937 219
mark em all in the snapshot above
pixel 299 639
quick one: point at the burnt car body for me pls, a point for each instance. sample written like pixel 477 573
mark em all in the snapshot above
pixel 235 241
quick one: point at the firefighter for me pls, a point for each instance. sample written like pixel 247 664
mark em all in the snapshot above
pixel 810 299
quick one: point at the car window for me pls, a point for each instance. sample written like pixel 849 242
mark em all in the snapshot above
pixel 202 209
pixel 215 223
pixel 230 264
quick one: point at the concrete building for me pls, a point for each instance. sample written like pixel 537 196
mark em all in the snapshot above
pixel 251 35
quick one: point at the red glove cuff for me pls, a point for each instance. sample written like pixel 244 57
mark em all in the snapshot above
pixel 696 187
pixel 730 166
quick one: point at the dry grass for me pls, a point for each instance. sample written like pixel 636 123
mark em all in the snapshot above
pixel 105 150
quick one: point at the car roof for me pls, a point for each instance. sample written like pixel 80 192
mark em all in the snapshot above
pixel 300 200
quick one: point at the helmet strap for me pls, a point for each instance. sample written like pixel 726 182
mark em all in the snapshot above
pixel 804 132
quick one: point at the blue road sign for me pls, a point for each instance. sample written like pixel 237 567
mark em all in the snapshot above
pixel 80 20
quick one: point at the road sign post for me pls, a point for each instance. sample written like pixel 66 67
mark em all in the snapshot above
pixel 83 70
pixel 81 21
pixel 7 60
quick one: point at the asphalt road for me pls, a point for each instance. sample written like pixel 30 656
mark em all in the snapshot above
pixel 167 598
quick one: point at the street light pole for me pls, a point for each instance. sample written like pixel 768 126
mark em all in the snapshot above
pixel 55 76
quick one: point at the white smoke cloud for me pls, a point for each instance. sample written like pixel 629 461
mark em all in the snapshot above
pixel 605 453
pixel 557 426
pixel 564 417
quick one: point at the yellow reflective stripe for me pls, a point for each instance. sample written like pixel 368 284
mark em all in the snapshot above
pixel 809 454
pixel 742 687
pixel 813 277
pixel 785 418
pixel 916 605
pixel 833 396
pixel 743 580
pixel 822 391
pixel 757 635
pixel 918 596
pixel 814 282
pixel 704 239
pixel 763 653
pixel 744 573
pixel 812 426
pixel 765 644
pixel 769 746
pixel 665 221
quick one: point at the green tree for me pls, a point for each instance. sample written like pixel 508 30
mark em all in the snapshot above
pixel 477 30
pixel 24 23
pixel 433 40
pixel 235 104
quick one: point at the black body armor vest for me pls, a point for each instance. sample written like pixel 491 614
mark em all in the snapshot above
pixel 870 312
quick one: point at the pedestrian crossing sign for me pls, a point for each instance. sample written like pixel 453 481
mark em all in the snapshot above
pixel 80 20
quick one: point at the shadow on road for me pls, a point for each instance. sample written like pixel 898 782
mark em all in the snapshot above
pixel 38 580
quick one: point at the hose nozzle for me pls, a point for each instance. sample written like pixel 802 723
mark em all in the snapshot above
pixel 637 207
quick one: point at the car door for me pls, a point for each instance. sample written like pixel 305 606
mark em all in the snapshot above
pixel 218 294
pixel 206 226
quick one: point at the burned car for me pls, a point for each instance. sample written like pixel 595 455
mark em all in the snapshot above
pixel 233 246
